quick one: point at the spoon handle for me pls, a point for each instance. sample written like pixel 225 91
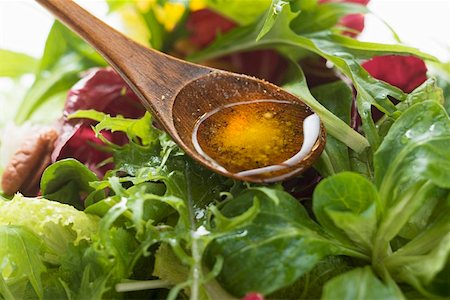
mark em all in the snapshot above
pixel 152 75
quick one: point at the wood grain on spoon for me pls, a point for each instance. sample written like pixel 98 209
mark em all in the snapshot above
pixel 176 92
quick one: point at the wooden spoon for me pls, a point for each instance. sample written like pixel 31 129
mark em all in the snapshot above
pixel 177 92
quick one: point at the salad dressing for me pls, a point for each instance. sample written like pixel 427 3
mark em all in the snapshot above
pixel 256 139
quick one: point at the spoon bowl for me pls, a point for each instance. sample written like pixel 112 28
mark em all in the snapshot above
pixel 179 93
pixel 222 89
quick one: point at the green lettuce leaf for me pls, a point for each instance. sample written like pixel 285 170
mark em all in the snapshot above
pixel 166 202
pixel 325 16
pixel 54 222
pixel 360 284
pixel 347 205
pixel 21 258
pixel 239 11
pixel 37 235
pixel 15 64
pixel 281 232
pixel 67 181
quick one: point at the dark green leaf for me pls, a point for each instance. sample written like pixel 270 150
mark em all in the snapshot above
pixel 422 261
pixel 413 134
pixel 411 168
pixel 310 285
pixel 67 181
pixel 439 285
pixel 346 206
pixel 337 97
pixel 282 233
pixel 426 91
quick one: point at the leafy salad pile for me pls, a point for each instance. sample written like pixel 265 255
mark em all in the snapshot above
pixel 123 213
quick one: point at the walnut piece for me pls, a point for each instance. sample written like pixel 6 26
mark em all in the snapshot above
pixel 25 168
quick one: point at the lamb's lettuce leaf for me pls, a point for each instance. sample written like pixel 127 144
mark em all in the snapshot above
pixel 360 284
pixel 281 232
pixel 403 220
pixel 347 206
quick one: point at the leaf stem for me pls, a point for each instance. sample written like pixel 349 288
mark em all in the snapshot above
pixel 394 220
pixel 196 268
pixel 141 285
pixel 335 126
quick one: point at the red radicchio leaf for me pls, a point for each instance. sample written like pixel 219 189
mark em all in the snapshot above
pixel 352 21
pixel 204 25
pixel 253 296
pixel 265 64
pixel 404 72
pixel 105 91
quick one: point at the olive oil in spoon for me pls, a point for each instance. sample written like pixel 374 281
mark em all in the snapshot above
pixel 258 140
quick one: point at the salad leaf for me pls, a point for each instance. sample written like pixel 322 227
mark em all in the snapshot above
pixel 334 125
pixel 423 124
pixel 415 161
pixel 188 189
pixel 426 255
pixel 54 222
pixel 426 91
pixel 67 181
pixel 272 13
pixel 37 234
pixel 335 157
pixel 281 232
pixel 234 10
pixel 21 253
pixel 346 206
pixel 360 283
pixel 326 15
pixel 310 285
pixel 15 64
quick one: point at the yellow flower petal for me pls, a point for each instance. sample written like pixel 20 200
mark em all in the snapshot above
pixel 169 14
pixel 135 26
